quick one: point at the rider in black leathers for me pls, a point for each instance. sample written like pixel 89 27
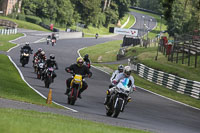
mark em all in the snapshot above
pixel 26 46
pixel 50 63
pixel 81 69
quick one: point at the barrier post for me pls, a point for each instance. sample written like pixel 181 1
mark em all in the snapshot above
pixel 49 98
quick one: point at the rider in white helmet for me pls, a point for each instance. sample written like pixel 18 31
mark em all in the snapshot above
pixel 126 74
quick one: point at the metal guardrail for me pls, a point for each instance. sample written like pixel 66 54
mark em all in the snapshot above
pixel 170 81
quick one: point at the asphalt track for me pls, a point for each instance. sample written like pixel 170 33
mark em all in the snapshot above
pixel 147 111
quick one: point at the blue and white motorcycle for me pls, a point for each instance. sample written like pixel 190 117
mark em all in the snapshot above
pixel 119 98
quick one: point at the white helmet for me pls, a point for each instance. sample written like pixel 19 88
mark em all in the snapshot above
pixel 127 71
pixel 42 53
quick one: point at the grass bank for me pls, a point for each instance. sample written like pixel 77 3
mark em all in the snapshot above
pixel 25 25
pixel 145 55
pixel 5 44
pixel 21 121
pixel 13 87
pixel 91 31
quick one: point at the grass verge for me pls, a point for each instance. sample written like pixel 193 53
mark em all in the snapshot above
pixel 98 53
pixel 4 44
pixel 22 121
pixel 25 25
pixel 13 87
pixel 107 55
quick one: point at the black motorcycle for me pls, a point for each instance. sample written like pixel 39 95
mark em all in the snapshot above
pixel 24 57
pixel 40 68
pixel 48 76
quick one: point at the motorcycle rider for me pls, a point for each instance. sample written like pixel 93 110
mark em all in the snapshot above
pixel 50 63
pixel 53 37
pixel 42 56
pixel 96 35
pixel 81 69
pixel 86 59
pixel 26 46
pixel 36 55
pixel 48 39
pixel 115 73
pixel 126 74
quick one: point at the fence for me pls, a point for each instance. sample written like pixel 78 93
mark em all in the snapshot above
pixel 180 85
pixel 8 31
pixel 11 27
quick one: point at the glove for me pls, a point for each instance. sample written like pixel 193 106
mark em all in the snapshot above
pixel 114 82
pixel 134 88
pixel 68 71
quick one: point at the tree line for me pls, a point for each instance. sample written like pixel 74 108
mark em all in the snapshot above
pixel 182 16
pixel 70 12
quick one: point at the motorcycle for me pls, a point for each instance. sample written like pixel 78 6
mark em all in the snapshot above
pixel 48 76
pixel 35 63
pixel 87 64
pixel 53 42
pixel 48 40
pixel 40 68
pixel 96 36
pixel 75 86
pixel 118 99
pixel 24 57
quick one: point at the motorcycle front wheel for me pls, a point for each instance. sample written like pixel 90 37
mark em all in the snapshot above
pixel 118 108
pixel 72 97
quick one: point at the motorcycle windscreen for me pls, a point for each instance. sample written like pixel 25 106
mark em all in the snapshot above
pixel 125 82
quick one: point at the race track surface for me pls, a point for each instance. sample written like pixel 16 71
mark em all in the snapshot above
pixel 147 111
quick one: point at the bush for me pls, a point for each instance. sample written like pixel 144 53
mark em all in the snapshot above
pixel 21 17
pixel 33 19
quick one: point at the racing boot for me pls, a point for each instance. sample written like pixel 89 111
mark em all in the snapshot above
pixel 67 91
pixel 79 94
pixel 107 99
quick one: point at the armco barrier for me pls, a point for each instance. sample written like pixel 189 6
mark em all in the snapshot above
pixel 180 85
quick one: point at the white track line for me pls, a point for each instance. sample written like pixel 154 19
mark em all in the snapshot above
pixel 27 82
pixel 145 89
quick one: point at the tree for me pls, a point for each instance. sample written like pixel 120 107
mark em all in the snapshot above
pixel 123 7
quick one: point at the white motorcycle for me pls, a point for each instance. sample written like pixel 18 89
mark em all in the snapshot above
pixel 119 98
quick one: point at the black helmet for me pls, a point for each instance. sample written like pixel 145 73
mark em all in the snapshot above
pixel 52 56
pixel 120 68
pixel 86 56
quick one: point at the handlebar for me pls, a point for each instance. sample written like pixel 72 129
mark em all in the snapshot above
pixel 83 76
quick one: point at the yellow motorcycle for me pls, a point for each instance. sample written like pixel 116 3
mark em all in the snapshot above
pixel 75 86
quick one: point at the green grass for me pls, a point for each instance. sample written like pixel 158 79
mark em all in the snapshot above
pixel 21 121
pixel 103 52
pixel 13 87
pixel 130 23
pixel 147 57
pixel 25 25
pixel 156 31
pixel 4 44
pixel 91 31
